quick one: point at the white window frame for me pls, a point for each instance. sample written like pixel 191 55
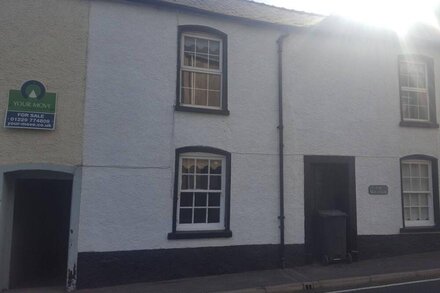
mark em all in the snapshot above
pixel 420 223
pixel 184 67
pixel 202 226
pixel 416 90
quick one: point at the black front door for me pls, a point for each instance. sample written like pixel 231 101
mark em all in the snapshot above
pixel 329 185
pixel 40 233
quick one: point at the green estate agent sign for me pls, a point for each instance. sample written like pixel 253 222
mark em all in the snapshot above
pixel 31 107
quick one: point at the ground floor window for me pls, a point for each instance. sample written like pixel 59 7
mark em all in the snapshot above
pixel 418 192
pixel 202 192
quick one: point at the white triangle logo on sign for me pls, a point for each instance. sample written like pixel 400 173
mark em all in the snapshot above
pixel 33 95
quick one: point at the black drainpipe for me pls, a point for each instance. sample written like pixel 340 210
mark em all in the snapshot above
pixel 281 145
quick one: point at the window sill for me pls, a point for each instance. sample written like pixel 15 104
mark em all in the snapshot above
pixel 224 112
pixel 199 234
pixel 418 124
pixel 420 230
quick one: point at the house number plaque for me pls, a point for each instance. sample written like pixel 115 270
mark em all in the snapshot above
pixel 378 189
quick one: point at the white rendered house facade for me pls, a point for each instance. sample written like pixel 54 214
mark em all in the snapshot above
pixel 186 162
pixel 213 136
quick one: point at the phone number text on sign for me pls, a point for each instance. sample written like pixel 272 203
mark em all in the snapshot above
pixel 30 120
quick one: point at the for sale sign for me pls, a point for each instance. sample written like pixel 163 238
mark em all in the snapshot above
pixel 31 107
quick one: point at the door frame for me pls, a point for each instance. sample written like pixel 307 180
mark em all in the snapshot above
pixel 309 162
pixel 8 176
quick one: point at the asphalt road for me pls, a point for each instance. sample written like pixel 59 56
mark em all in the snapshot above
pixel 423 286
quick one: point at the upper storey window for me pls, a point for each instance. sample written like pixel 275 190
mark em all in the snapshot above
pixel 202 70
pixel 417 92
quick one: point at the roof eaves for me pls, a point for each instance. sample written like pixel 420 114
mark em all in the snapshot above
pixel 283 26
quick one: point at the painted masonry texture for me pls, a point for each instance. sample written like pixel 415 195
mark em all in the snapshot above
pixel 341 98
pixel 44 40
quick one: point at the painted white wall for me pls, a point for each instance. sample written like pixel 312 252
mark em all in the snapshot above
pixel 294 198
pixel 378 214
pixel 341 98
pixel 132 130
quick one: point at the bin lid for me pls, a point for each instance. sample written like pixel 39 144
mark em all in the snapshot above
pixel 331 213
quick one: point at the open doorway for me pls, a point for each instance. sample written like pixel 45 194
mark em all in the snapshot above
pixel 329 184
pixel 40 233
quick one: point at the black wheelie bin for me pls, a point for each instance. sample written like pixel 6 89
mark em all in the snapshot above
pixel 333 236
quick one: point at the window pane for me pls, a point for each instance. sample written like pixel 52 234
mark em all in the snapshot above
pixel 406 183
pixel 201 60
pixel 202 46
pixel 214 199
pixel 413 80
pixel 201 182
pixel 414 200
pixel 424 214
pixel 186 96
pixel 202 166
pixel 413 112
pixel 189 44
pixel 200 215
pixel 406 200
pixel 419 68
pixel 201 80
pixel 188 165
pixel 424 170
pixel 423 200
pixel 214 62
pixel 186 199
pixel 405 98
pixel 184 184
pixel 214 99
pixel 407 214
pixel 214 47
pixel 216 167
pixel 404 80
pixel 188 59
pixel 423 99
pixel 187 79
pixel 410 67
pixel 185 216
pixel 412 99
pixel 214 82
pixel 200 199
pixel 405 170
pixel 201 97
pixel 415 170
pixel 213 215
pixel 405 111
pixel 403 68
pixel 215 182
pixel 415 214
pixel 415 184
pixel 422 81
pixel 424 184
pixel 187 182
pixel 423 113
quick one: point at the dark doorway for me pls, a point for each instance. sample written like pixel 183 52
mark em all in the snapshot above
pixel 40 233
pixel 329 184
